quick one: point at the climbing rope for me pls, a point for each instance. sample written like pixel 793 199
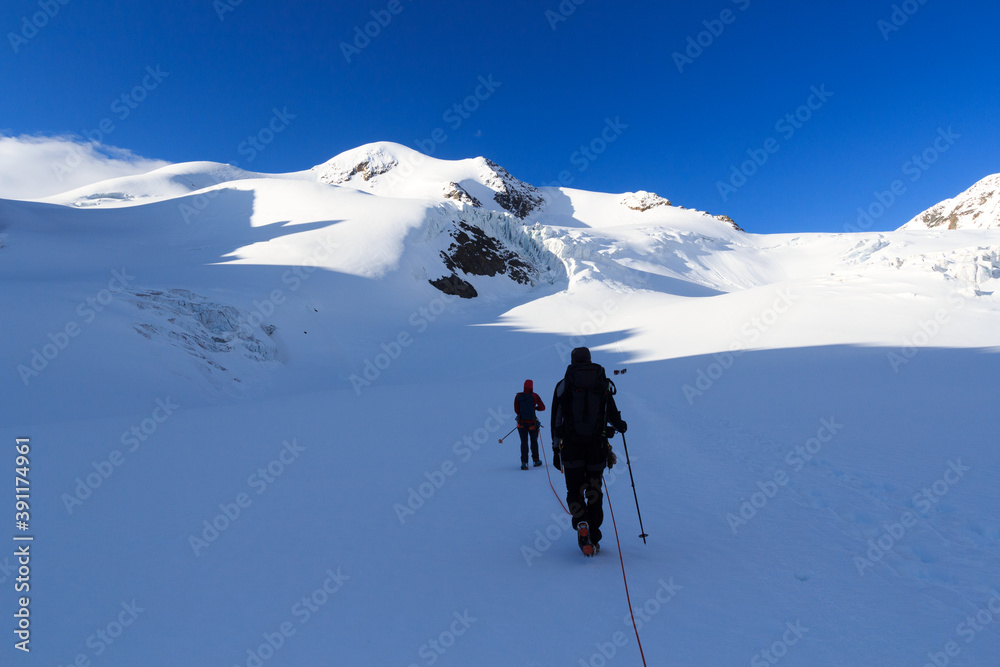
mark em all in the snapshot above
pixel 627 595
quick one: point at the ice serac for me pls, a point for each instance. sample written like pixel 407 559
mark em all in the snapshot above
pixel 976 208
pixel 489 244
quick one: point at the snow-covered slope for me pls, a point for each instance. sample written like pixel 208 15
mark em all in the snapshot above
pixel 167 182
pixel 263 412
pixel 394 170
pixel 976 208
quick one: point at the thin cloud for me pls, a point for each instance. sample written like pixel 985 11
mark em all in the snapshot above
pixel 36 167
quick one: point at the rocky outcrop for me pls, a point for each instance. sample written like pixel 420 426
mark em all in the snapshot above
pixel 456 192
pixel 976 208
pixel 643 201
pixel 364 165
pixel 729 221
pixel 516 197
pixel 474 252
pixel 455 286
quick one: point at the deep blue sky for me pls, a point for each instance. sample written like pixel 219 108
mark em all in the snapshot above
pixel 940 69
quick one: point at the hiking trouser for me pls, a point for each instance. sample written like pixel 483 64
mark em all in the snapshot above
pixel 524 432
pixel 584 496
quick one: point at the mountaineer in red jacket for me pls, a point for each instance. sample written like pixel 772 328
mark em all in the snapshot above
pixel 525 404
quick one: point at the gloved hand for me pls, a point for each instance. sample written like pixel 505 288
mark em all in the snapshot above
pixel 622 426
pixel 556 459
pixel 612 458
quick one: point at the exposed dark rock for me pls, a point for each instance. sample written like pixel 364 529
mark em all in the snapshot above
pixel 643 201
pixel 729 221
pixel 367 170
pixel 458 193
pixel 477 254
pixel 976 208
pixel 455 286
pixel 366 166
pixel 935 218
pixel 513 195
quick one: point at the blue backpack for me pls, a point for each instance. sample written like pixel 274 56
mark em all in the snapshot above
pixel 526 411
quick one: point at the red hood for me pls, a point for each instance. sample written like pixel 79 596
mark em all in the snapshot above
pixel 529 386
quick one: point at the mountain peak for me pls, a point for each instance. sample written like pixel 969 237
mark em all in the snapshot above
pixel 976 208
pixel 364 162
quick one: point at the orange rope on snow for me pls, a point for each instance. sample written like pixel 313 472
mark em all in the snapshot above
pixel 541 444
pixel 627 596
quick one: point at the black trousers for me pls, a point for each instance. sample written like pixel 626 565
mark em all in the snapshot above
pixel 524 433
pixel 584 469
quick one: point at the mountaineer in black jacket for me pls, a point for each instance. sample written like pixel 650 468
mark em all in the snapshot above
pixel 583 407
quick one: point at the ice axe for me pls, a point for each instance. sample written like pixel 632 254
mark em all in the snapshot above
pixel 508 433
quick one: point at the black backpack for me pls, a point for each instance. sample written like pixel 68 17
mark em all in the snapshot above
pixel 526 410
pixel 585 399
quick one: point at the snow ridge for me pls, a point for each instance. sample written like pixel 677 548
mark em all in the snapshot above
pixel 976 208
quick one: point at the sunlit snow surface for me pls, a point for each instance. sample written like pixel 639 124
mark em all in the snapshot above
pixel 260 436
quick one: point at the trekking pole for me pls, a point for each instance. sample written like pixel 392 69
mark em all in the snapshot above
pixel 508 433
pixel 643 534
